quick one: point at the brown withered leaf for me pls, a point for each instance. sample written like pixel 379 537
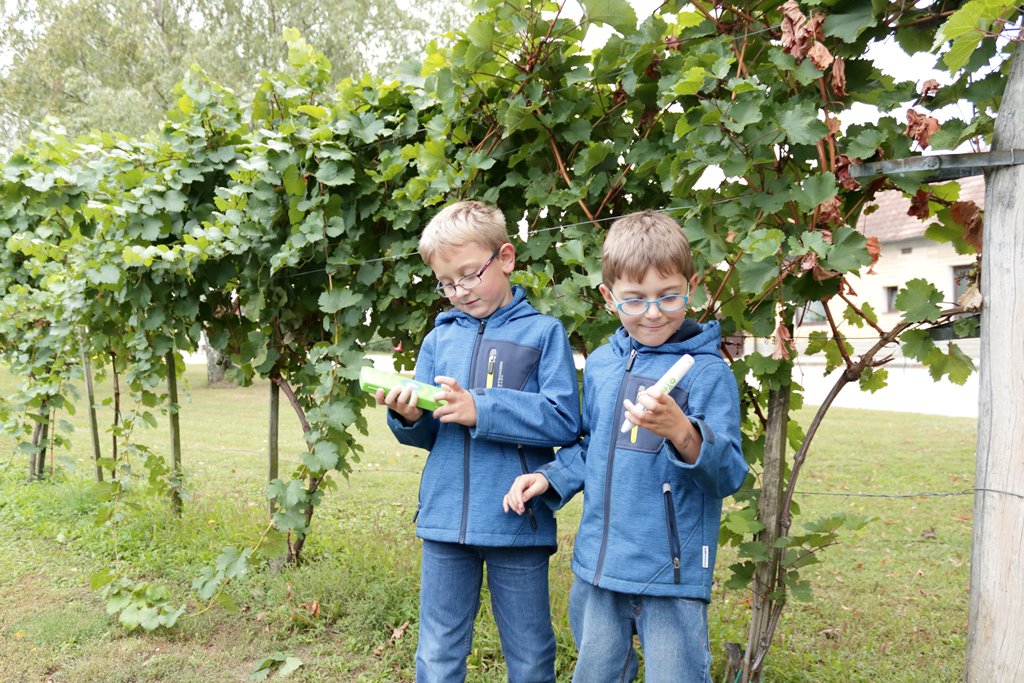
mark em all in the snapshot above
pixel 929 88
pixel 874 248
pixel 820 274
pixel 833 123
pixel 783 343
pixel 921 127
pixel 838 79
pixel 919 205
pixel 673 43
pixel 846 181
pixel 971 300
pixel 830 211
pixel 809 261
pixel 793 21
pixel 397 633
pixel 968 214
pixel 820 56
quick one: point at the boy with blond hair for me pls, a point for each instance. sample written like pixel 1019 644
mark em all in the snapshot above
pixel 645 550
pixel 510 396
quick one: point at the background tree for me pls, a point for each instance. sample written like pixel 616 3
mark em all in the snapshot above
pixel 112 64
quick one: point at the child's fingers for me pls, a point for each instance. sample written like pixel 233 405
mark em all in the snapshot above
pixel 448 384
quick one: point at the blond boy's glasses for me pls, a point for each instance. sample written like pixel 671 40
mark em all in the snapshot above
pixel 469 282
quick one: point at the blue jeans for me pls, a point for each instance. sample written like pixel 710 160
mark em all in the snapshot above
pixel 450 581
pixel 673 634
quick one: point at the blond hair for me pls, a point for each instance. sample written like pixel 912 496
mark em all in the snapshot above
pixel 461 223
pixel 641 241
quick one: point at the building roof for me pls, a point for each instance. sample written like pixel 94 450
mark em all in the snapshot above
pixel 891 222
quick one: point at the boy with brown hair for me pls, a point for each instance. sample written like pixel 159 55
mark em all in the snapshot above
pixel 645 550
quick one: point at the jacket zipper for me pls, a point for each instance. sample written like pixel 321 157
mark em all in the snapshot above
pixel 466 442
pixel 491 358
pixel 635 431
pixel 529 504
pixel 608 471
pixel 673 530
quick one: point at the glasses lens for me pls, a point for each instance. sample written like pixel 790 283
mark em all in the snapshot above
pixel 469 282
pixel 672 303
pixel 633 306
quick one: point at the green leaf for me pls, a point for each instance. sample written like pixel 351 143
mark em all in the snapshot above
pixel 916 344
pixel 816 189
pixel 848 252
pixel 800 124
pixel 919 300
pixel 618 14
pixel 334 300
pixel 865 143
pixel 873 379
pixel 966 27
pixel 332 174
pixel 848 26
pixel 743 522
pixel 592 156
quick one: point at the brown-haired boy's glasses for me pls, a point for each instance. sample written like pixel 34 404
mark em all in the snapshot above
pixel 469 282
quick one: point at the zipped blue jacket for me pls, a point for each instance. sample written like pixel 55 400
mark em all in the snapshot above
pixel 650 521
pixel 519 366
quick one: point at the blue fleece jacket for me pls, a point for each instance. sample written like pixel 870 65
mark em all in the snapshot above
pixel 650 521
pixel 519 366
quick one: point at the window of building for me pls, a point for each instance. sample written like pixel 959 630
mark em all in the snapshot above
pixel 811 314
pixel 890 299
pixel 961 280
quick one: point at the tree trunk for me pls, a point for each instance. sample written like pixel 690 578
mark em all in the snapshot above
pixel 769 512
pixel 94 427
pixel 272 439
pixel 117 415
pixel 217 365
pixel 175 424
pixel 995 629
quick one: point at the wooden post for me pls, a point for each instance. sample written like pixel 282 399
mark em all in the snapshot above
pixel 770 514
pixel 272 441
pixel 172 399
pixel 94 427
pixel 995 629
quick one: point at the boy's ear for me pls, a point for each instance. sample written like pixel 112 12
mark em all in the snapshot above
pixel 693 282
pixel 609 302
pixel 507 257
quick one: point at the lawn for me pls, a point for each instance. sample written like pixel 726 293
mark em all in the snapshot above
pixel 890 603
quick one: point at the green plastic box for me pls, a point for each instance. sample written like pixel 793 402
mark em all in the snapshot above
pixel 371 379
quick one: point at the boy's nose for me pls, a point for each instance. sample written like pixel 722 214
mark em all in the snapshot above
pixel 652 311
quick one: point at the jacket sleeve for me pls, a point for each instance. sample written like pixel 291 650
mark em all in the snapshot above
pixel 714 409
pixel 567 472
pixel 548 417
pixel 423 431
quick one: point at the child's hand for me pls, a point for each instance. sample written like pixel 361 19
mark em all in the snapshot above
pixel 402 400
pixel 459 404
pixel 525 487
pixel 665 418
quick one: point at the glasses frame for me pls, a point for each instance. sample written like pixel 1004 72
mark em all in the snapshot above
pixel 442 289
pixel 647 303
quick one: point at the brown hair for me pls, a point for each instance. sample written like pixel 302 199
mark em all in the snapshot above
pixel 641 241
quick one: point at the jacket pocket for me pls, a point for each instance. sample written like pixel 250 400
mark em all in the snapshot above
pixel 526 470
pixel 672 529
pixel 504 364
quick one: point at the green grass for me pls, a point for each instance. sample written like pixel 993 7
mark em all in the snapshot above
pixel 890 602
